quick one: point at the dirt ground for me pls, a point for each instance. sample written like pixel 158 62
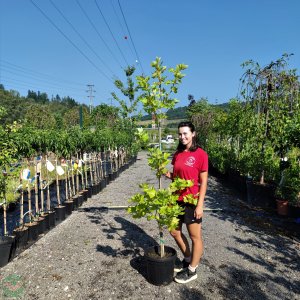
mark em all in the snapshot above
pixel 97 253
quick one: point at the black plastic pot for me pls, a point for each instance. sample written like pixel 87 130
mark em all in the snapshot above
pixel 69 207
pixel 52 218
pixel 21 236
pixel 95 189
pixel 33 231
pixel 80 199
pixel 47 221
pixel 111 176
pixel 6 243
pixel 102 184
pixel 60 213
pixel 84 193
pixel 42 225
pixel 294 211
pixel 75 202
pixel 261 195
pixel 90 194
pixel 160 271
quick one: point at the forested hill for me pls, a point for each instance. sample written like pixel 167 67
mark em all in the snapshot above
pixel 181 112
pixel 35 105
pixel 172 114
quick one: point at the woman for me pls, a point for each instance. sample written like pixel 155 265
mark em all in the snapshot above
pixel 189 162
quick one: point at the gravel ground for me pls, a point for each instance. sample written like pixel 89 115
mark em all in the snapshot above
pixel 98 253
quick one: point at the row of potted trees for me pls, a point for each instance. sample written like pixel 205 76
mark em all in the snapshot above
pixel 255 141
pixel 56 188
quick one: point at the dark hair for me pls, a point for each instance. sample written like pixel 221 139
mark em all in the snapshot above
pixel 194 145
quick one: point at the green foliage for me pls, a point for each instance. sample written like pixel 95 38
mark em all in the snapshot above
pixel 104 116
pixel 127 107
pixel 157 93
pixel 158 161
pixel 251 136
pixel 289 185
pixel 142 137
pixel 159 204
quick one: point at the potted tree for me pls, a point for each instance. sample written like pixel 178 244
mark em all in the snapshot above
pixel 157 203
pixel 8 152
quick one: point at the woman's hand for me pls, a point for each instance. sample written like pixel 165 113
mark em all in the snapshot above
pixel 198 213
pixel 168 175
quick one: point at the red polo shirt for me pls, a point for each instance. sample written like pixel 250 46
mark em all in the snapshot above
pixel 188 165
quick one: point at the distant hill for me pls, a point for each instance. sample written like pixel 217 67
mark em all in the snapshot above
pixel 172 114
pixel 180 112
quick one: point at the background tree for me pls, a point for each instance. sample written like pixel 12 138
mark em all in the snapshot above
pixel 129 105
pixel 40 116
pixel 104 115
pixel 272 95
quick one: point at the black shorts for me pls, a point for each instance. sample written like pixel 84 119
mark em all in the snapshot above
pixel 188 217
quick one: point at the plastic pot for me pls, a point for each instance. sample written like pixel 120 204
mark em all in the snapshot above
pixel 42 225
pixel 6 243
pixel 21 236
pixel 33 231
pixel 75 202
pixel 47 221
pixel 69 207
pixel 160 270
pixel 84 193
pixel 90 194
pixel 282 207
pixel 52 218
pixel 60 213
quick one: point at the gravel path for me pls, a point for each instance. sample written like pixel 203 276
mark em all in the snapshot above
pixel 98 253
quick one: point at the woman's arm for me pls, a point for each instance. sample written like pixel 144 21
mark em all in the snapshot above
pixel 203 177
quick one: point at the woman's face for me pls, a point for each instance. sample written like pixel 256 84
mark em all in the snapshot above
pixel 185 136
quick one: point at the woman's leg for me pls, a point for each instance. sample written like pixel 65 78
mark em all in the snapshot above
pixel 181 240
pixel 195 232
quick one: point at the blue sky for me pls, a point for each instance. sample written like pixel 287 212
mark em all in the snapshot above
pixel 213 37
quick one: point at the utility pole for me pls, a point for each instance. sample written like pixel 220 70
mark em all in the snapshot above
pixel 91 91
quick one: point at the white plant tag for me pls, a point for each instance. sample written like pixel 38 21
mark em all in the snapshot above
pixel 49 166
pixel 26 174
pixel 80 163
pixel 60 171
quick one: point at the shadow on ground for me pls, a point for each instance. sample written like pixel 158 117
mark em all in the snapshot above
pixel 133 238
pixel 269 238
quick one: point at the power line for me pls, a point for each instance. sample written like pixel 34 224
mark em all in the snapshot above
pixel 122 29
pixel 30 76
pixel 99 9
pixel 140 63
pixel 99 35
pixel 29 86
pixel 81 37
pixel 66 37
pixel 39 73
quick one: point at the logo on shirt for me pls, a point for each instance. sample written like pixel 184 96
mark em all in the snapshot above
pixel 190 161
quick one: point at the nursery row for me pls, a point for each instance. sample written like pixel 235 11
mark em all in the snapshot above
pixel 257 135
pixel 41 206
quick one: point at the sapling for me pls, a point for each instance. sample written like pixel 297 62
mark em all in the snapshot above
pixel 159 204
